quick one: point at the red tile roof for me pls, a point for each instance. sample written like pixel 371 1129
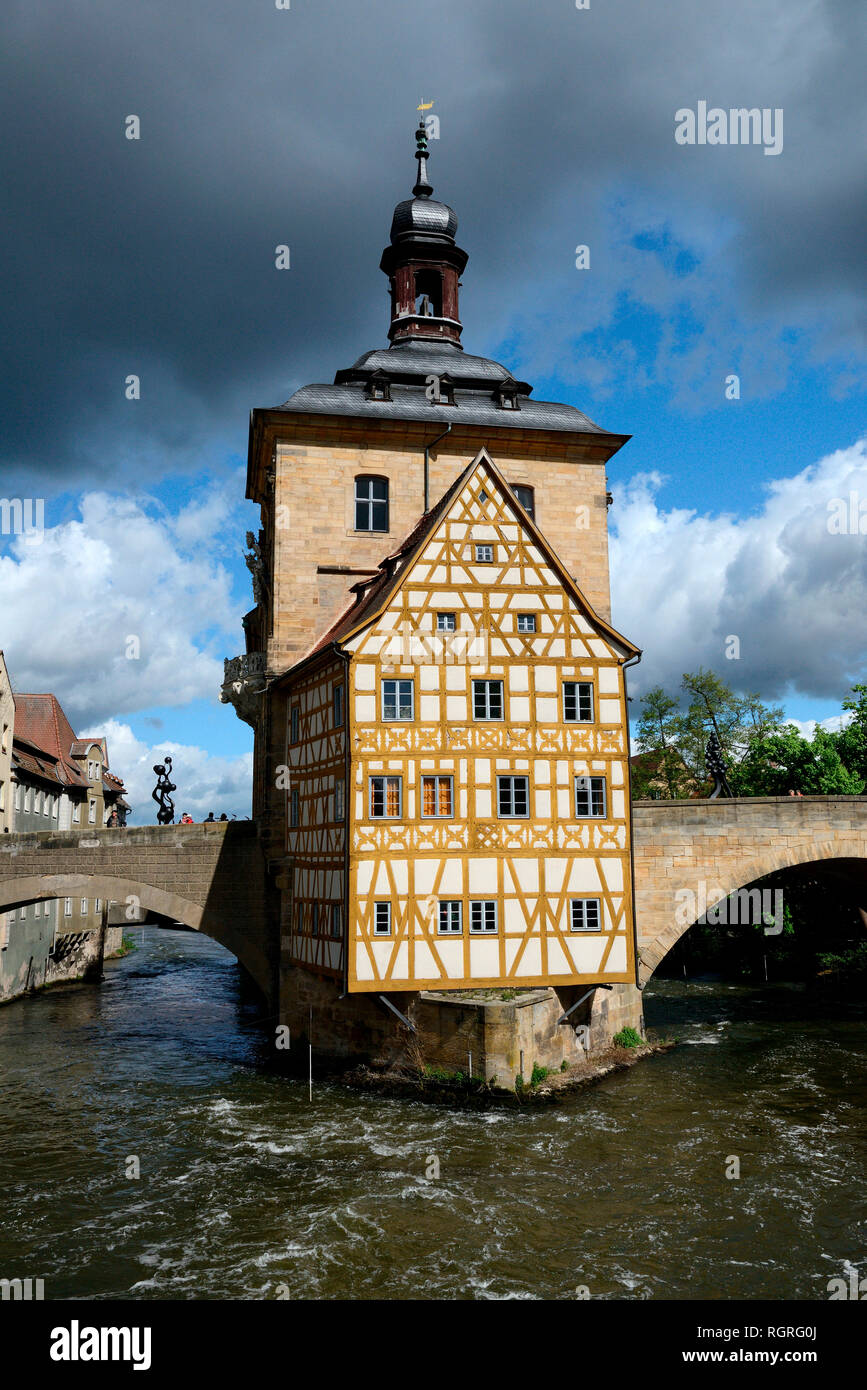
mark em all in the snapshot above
pixel 49 738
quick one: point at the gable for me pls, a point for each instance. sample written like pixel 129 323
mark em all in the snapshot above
pixel 523 577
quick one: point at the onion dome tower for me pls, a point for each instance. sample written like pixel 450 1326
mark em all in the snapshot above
pixel 423 263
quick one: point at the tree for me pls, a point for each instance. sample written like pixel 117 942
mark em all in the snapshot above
pixel 660 769
pixel 782 762
pixel 851 742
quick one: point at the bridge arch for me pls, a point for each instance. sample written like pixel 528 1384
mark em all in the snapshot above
pixel 829 855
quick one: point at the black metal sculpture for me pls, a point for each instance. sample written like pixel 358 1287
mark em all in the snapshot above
pixel 716 767
pixel 160 793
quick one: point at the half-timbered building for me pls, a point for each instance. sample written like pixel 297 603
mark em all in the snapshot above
pixel 442 756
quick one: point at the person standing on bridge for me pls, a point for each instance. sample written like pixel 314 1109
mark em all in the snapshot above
pixel 186 818
pixel 209 818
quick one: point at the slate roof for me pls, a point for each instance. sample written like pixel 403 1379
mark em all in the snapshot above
pixel 407 365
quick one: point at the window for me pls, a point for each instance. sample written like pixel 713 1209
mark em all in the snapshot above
pixel 76 813
pixel 28 799
pixel 445 622
pixel 386 798
pixel 379 387
pixel 437 798
pixel 314 920
pixel 589 796
pixel 299 918
pixel 91 813
pixel 483 916
pixel 371 504
pixel 97 906
pixel 17 796
pixel 335 920
pixel 38 806
pixel 585 915
pixel 37 908
pixel 487 699
pixel 295 724
pixel 337 705
pixel 429 293
pixel 578 702
pixel 397 700
pixel 84 906
pixel 67 907
pixel 526 622
pixel 526 497
pixel 507 395
pixel 339 800
pixel 294 808
pixel 382 919
pixel 484 554
pixel 451 919
pixel 513 796
pixel 55 802
pixel 46 804
pixel 22 912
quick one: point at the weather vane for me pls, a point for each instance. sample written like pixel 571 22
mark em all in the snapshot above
pixel 424 105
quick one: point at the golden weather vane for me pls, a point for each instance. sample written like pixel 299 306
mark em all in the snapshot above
pixel 424 105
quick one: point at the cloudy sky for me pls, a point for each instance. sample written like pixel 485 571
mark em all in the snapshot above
pixel 262 126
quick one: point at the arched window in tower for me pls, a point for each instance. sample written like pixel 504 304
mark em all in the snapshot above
pixel 371 504
pixel 526 497
pixel 429 294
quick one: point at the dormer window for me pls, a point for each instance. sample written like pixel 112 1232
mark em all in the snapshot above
pixel 507 394
pixel 526 498
pixel 379 387
pixel 441 390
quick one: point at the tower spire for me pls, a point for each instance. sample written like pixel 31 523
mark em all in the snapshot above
pixel 423 187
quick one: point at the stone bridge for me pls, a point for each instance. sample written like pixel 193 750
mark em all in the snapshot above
pixel 213 877
pixel 210 877
pixel 727 844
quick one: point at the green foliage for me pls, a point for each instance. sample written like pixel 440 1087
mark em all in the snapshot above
pixel 628 1037
pixel 764 756
pixel 519 1082
pixel 564 1065
pixel 539 1074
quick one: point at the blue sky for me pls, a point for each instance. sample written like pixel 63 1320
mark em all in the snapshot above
pixel 557 130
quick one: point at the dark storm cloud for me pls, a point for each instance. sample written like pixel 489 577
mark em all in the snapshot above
pixel 262 126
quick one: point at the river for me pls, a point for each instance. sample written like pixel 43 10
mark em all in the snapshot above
pixel 248 1189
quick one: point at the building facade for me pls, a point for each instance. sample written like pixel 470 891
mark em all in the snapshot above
pixel 437 693
pixel 57 782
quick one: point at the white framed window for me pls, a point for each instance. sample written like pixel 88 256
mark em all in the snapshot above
pixel 28 799
pixel 386 798
pixel 437 797
pixel 337 705
pixel 295 724
pixel 451 917
pixel 578 702
pixel 446 622
pixel 22 912
pixel 97 906
pixel 84 905
pixel 398 700
pixel 513 796
pixel 38 803
pixel 339 800
pixel 590 796
pixel 76 813
pixel 483 915
pixel 487 699
pixel 55 806
pixel 484 554
pixel 46 804
pixel 294 808
pixel 382 919
pixel 17 796
pixel 585 915
pixel 37 908
pixel 91 813
pixel 526 622
pixel 371 504
pixel 67 907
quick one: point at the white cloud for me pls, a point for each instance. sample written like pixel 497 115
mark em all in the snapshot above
pixel 206 782
pixel 74 603
pixel 791 591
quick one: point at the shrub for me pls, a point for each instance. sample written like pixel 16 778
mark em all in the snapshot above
pixel 628 1037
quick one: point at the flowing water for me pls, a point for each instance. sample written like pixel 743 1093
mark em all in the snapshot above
pixel 248 1189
